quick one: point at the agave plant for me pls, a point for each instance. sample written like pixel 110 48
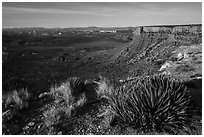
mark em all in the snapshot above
pixel 156 103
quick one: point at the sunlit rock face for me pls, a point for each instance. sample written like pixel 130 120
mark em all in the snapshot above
pixel 175 50
pixel 171 29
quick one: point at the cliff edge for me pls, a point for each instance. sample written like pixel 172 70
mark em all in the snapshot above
pixel 174 50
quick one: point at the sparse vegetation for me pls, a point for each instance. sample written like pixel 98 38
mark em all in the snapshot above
pixel 67 97
pixel 71 93
pixel 13 102
pixel 54 116
pixel 18 98
pixel 126 100
pixel 104 88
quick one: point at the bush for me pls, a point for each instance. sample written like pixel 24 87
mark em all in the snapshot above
pixel 62 94
pixel 69 92
pixel 13 102
pixel 15 93
pixel 104 88
pixel 68 97
pixel 18 98
pixel 156 103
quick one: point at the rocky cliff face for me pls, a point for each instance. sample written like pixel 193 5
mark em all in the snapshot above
pixel 160 41
pixel 173 50
pixel 193 29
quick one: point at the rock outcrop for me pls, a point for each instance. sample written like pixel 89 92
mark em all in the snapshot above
pixel 160 41
pixel 170 29
pixel 174 50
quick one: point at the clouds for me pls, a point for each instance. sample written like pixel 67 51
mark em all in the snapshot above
pixel 99 14
pixel 10 10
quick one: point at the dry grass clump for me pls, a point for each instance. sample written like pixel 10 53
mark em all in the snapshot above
pixel 15 97
pixel 18 98
pixel 13 102
pixel 70 95
pixel 104 88
pixel 69 92
pixel 15 93
pixel 55 115
pixel 156 103
pixel 67 97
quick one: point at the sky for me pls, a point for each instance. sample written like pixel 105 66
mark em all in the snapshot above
pixel 100 14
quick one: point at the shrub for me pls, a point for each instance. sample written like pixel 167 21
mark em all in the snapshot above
pixel 68 97
pixel 69 92
pixel 104 88
pixel 19 98
pixel 156 103
pixel 13 102
pixel 15 93
pixel 15 97
pixel 62 94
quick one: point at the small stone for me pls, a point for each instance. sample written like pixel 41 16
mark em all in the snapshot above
pixel 39 127
pixel 59 133
pixel 31 124
pixel 26 127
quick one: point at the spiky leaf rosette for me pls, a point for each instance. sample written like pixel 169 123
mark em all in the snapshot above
pixel 77 86
pixel 156 103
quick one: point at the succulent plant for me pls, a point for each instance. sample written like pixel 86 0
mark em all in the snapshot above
pixel 155 103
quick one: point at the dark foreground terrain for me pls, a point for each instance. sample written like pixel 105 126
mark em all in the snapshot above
pixel 144 80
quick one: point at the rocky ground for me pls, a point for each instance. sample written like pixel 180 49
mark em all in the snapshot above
pixel 178 55
pixel 185 63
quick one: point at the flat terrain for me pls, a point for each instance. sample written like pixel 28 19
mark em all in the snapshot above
pixel 55 63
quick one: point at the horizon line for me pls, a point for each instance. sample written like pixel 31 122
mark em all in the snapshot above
pixel 107 26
